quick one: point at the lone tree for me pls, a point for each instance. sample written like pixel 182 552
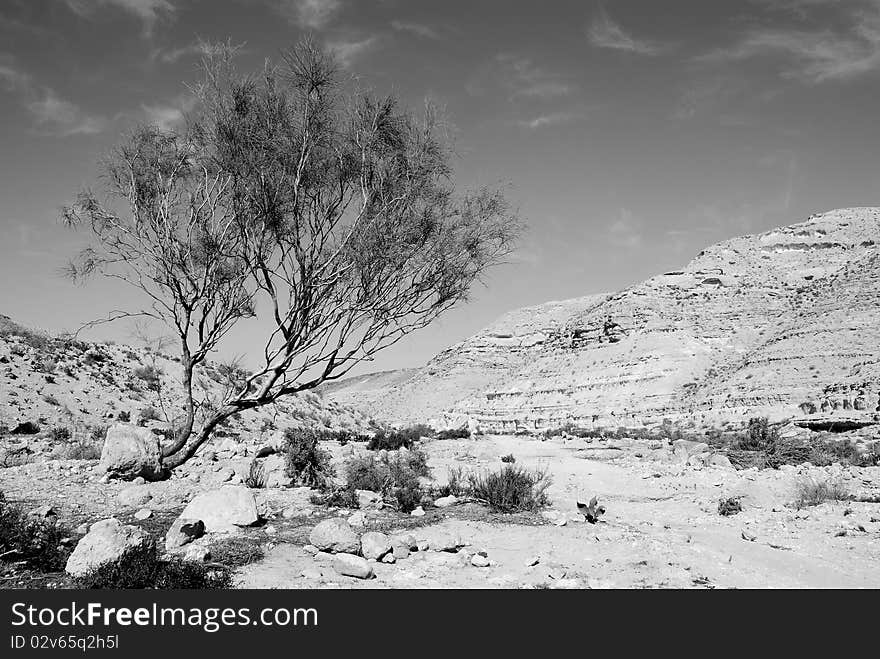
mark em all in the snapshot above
pixel 331 213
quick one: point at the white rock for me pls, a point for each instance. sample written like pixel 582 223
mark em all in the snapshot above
pixel 478 560
pixel 375 545
pixel 107 541
pixel 418 512
pixel 445 502
pixel 225 509
pixel 134 496
pixel 143 513
pixel 368 498
pixel 130 451
pixel 350 565
pixel 335 536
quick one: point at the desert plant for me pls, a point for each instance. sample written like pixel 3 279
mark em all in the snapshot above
pixel 149 413
pixel 512 489
pixel 729 506
pixel 150 376
pixel 508 459
pixel 235 551
pixel 60 434
pixel 453 433
pixel 288 191
pixel 395 475
pixel 35 540
pixel 146 569
pixel 810 492
pixel 392 440
pixel 305 461
pixel 256 477
pixel 124 416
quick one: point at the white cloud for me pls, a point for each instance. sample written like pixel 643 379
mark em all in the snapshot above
pixel 52 114
pixel 417 29
pixel 605 33
pixel 311 14
pixel 57 116
pixel 147 11
pixel 625 230
pixel 549 119
pixel 347 51
pixel 521 77
pixel 814 55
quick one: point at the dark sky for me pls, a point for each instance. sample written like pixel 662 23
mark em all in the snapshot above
pixel 632 134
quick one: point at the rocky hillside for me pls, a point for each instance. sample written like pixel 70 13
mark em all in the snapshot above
pixel 59 389
pixel 784 324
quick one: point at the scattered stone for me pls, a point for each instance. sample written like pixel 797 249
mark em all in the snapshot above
pixel 350 565
pixel 479 560
pixel 108 541
pixel 134 496
pixel 358 519
pixel 748 535
pixel 375 545
pixel 310 549
pixel 418 512
pixel 335 536
pixel 225 509
pixel 197 553
pixel 389 558
pixel 183 531
pixel 143 513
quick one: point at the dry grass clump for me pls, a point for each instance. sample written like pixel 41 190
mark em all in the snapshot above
pixel 811 492
pixel 394 475
pixel 35 540
pixel 306 463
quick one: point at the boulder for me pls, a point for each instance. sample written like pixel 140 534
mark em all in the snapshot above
pixel 224 509
pixel 375 545
pixel 131 451
pixel 445 502
pixel 720 460
pixel 685 448
pixel 183 531
pixel 335 536
pixel 368 498
pixel 108 541
pixel 350 565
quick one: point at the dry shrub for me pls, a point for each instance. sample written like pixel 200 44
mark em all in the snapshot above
pixel 306 463
pixel 810 492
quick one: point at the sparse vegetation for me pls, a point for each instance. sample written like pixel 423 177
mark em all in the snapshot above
pixel 306 462
pixel 236 551
pixel 391 440
pixel 35 540
pixel 145 569
pixel 811 492
pixel 453 433
pixel 729 506
pixel 256 477
pixel 395 475
pixel 511 489
pixel 508 459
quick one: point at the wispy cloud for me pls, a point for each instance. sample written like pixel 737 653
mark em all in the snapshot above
pixel 814 55
pixel 52 114
pixel 347 51
pixel 149 12
pixel 549 119
pixel 521 77
pixel 605 33
pixel 418 29
pixel 311 14
pixel 625 230
pixel 171 115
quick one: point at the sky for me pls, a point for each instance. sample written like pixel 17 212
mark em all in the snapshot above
pixel 629 134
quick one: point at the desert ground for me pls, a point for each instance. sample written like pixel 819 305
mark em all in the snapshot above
pixel 661 528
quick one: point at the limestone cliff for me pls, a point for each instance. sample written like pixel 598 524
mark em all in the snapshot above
pixel 782 324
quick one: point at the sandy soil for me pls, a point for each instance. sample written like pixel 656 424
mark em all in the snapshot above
pixel 662 528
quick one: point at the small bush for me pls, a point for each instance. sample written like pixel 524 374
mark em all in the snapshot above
pixel 124 416
pixel 512 489
pixel 457 484
pixel 36 540
pixel 60 434
pixel 151 377
pixel 51 400
pixel 460 433
pixel 145 569
pixel 256 477
pixel 149 413
pixel 306 462
pixel 341 497
pixel 508 459
pixel 729 506
pixel 809 492
pixel 395 475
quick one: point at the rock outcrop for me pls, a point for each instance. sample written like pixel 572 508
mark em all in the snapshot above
pixel 784 324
